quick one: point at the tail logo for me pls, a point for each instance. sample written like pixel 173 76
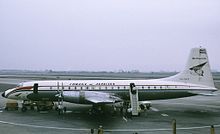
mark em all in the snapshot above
pixel 198 69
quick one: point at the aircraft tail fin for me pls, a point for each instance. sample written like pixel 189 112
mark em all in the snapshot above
pixel 197 69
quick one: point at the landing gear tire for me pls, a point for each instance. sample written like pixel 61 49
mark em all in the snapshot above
pixel 24 109
pixel 59 111
pixel 64 109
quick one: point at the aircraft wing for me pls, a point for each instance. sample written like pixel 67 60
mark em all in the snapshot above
pixel 101 98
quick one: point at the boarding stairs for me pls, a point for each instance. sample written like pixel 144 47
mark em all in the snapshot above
pixel 134 100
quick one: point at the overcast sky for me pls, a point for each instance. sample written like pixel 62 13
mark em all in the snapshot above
pixel 107 35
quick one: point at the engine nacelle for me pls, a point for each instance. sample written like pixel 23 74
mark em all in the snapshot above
pixel 74 97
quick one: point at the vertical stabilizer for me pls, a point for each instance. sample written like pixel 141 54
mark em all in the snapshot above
pixel 197 70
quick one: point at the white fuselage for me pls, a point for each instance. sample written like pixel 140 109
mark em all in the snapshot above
pixel 148 89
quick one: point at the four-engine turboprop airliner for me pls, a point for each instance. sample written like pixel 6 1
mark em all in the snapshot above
pixel 195 79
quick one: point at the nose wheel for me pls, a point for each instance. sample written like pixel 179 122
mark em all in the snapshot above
pixel 24 109
pixel 23 106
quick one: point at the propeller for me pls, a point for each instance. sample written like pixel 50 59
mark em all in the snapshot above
pixel 60 98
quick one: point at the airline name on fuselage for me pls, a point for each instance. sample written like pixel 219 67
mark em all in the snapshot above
pixel 92 84
pixel 197 58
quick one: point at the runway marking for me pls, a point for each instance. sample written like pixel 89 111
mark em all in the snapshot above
pixel 125 119
pixel 165 115
pixel 46 127
pixel 155 130
pixel 106 130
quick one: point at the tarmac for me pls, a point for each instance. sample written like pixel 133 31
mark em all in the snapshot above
pixel 194 115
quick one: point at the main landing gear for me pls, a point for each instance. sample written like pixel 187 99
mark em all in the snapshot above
pixel 97 109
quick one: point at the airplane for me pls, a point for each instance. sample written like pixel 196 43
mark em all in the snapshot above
pixel 195 79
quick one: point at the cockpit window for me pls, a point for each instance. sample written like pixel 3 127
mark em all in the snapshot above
pixel 20 85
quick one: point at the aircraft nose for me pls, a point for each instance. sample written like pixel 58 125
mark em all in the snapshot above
pixel 3 94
